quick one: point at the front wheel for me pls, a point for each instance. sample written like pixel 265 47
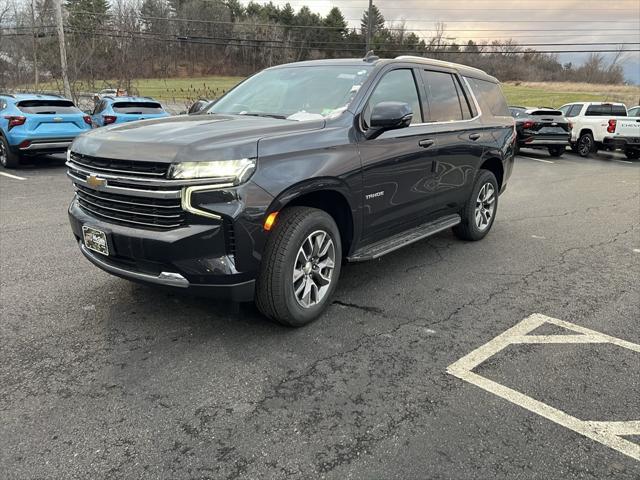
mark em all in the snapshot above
pixel 300 267
pixel 8 159
pixel 480 210
pixel 556 151
pixel 586 145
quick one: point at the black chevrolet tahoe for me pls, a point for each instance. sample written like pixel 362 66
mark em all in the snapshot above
pixel 300 168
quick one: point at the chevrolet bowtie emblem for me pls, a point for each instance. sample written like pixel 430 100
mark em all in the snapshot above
pixel 96 182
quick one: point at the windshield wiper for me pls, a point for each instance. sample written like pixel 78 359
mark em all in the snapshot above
pixel 269 115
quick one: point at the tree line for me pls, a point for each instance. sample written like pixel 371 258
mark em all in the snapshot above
pixel 126 39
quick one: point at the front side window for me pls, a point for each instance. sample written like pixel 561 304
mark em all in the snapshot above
pixel 395 86
pixel 295 93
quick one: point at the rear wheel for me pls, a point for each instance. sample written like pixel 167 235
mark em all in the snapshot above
pixel 586 145
pixel 632 154
pixel 8 159
pixel 480 210
pixel 556 151
pixel 300 267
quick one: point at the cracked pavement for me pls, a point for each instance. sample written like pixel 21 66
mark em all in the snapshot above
pixel 102 378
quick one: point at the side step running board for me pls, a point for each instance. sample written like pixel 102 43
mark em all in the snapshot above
pixel 378 249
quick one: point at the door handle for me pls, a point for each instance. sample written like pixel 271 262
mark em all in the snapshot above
pixel 426 143
pixel 474 136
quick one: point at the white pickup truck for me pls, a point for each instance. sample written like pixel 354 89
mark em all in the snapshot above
pixel 594 125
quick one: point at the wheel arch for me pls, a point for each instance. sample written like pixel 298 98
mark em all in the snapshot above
pixel 495 166
pixel 330 195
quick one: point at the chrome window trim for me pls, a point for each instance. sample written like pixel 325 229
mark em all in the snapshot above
pixel 186 199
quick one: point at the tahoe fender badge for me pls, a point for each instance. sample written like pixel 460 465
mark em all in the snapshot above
pixel 374 195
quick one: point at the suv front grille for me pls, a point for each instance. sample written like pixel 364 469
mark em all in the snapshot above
pixel 120 167
pixel 134 194
pixel 139 211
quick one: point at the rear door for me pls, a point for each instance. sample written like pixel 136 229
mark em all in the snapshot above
pixel 455 124
pixel 52 118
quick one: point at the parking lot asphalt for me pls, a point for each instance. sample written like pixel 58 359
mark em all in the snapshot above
pixel 102 378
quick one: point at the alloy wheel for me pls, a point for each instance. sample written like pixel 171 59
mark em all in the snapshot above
pixel 313 269
pixel 485 206
pixel 585 146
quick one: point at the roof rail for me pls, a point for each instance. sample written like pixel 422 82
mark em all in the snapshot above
pixel 434 61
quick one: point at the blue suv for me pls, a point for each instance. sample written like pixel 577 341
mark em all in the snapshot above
pixel 32 124
pixel 110 110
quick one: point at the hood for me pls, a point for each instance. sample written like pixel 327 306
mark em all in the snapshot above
pixel 187 138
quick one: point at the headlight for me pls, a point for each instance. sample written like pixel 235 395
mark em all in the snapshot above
pixel 236 171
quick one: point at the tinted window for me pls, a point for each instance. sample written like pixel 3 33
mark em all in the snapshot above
pixel 52 107
pixel 606 110
pixel 574 110
pixel 634 112
pixel 137 108
pixel 396 86
pixel 442 95
pixel 490 96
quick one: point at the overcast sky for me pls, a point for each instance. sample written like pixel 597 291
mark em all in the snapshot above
pixel 537 21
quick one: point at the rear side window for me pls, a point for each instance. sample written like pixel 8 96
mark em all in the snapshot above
pixel 606 110
pixel 396 86
pixel 574 110
pixel 490 96
pixel 445 102
pixel 51 107
pixel 137 108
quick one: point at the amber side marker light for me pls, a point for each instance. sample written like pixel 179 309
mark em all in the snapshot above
pixel 271 219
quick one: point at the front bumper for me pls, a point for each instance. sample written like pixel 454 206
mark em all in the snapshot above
pixel 193 257
pixel 622 143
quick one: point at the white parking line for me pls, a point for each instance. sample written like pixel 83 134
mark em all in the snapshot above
pixel 607 433
pixel 622 161
pixel 12 176
pixel 536 159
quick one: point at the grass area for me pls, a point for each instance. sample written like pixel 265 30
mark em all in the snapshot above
pixel 181 89
pixel 556 94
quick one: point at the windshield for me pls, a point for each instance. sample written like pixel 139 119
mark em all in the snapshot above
pixel 295 93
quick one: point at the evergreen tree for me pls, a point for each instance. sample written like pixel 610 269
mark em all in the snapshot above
pixel 377 22
pixel 85 16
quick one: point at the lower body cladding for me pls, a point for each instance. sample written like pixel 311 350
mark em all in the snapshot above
pixel 214 257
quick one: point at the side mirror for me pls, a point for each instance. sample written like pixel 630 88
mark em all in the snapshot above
pixel 389 116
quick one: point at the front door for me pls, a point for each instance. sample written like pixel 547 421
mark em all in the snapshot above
pixel 398 164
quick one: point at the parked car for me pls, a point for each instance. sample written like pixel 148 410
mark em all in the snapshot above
pixel 634 112
pixel 541 128
pixel 624 134
pixel 111 110
pixel 198 106
pixel 590 123
pixel 107 92
pixel 293 171
pixel 32 124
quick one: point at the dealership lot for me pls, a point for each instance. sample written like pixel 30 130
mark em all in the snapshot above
pixel 103 378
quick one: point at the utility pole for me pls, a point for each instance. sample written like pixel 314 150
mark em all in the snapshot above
pixel 63 49
pixel 35 46
pixel 369 27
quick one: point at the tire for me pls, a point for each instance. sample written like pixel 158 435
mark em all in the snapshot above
pixel 586 145
pixel 469 228
pixel 632 154
pixel 8 159
pixel 276 289
pixel 556 151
